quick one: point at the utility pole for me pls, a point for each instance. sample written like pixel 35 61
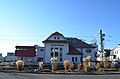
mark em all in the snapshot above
pixel 101 42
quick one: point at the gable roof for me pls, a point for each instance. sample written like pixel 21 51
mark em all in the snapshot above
pixel 55 41
pixel 57 33
pixel 77 43
pixel 116 47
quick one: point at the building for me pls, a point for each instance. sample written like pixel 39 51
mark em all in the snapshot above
pixel 73 49
pixel 115 54
pixel 10 57
pixel 26 53
pixel 1 58
pixel 39 54
pixel 56 45
pixel 100 56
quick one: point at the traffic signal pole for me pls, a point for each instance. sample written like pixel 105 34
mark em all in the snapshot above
pixel 101 42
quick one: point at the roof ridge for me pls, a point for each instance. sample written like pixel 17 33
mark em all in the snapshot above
pixel 57 33
pixel 78 43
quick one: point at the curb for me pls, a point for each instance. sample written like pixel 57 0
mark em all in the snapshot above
pixel 62 73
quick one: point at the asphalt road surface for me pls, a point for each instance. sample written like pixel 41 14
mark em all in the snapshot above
pixel 54 76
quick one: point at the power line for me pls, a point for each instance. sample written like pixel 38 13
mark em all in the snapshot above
pixel 21 36
pixel 17 40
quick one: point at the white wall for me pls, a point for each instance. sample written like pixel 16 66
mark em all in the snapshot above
pixel 116 52
pixel 56 36
pixel 1 58
pixel 48 47
pixel 92 53
pixel 69 57
pixel 40 51
pixel 11 58
pixel 26 59
pixel 65 51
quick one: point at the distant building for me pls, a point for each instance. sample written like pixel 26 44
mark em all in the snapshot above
pixel 106 54
pixel 1 57
pixel 10 57
pixel 115 54
pixel 26 53
pixel 0 54
pixel 40 54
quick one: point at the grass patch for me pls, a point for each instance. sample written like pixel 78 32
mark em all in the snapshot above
pixel 107 69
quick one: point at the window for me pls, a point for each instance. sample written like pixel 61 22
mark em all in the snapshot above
pixel 21 49
pixel 52 49
pixel 56 49
pixel 60 59
pixel 116 52
pixel 58 38
pixel 75 59
pixel 18 49
pixel 72 59
pixel 88 50
pixel 10 54
pixel 54 37
pixel 40 59
pixel 61 49
pixel 51 54
pixel 114 56
pixel 56 54
pixel 41 49
pixel 60 54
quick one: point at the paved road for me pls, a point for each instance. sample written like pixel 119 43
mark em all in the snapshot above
pixel 54 76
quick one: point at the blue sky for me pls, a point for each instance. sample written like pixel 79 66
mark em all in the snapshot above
pixel 29 22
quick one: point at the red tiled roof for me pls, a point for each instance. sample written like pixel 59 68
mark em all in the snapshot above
pixel 73 51
pixel 77 43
